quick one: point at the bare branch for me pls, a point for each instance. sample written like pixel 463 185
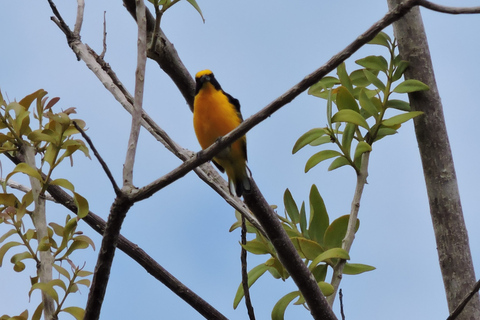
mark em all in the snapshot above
pixel 243 258
pixel 20 187
pixel 99 158
pixel 139 87
pixel 446 9
pixel 79 21
pixel 104 51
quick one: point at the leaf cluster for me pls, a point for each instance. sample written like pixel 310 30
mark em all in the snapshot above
pixel 362 99
pixel 317 240
pixel 52 139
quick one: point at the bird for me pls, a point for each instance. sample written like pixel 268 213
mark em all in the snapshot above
pixel 216 113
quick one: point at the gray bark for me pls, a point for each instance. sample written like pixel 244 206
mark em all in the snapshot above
pixel 443 195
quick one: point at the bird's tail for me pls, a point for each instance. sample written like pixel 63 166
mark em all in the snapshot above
pixel 241 183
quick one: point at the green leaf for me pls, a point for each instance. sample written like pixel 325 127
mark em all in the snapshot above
pixel 338 162
pixel 308 137
pixel 46 288
pixel 44 135
pixel 195 5
pixel 321 156
pixel 77 244
pixel 319 219
pixel 20 256
pixel 385 131
pixel 336 232
pixel 256 247
pixel 402 66
pixel 411 85
pixel 253 276
pixel 401 118
pixel 84 273
pixel 38 312
pixel 82 205
pixel 62 271
pixel 343 77
pixel 25 168
pixel 374 63
pixel 334 253
pixel 326 288
pixel 278 312
pixel 307 248
pixel 84 282
pixel 374 80
pixel 291 207
pixel 345 100
pixel 319 88
pixel 64 183
pixel 381 39
pixel 399 105
pixel 76 312
pixel 303 220
pixel 7 234
pixel 350 116
pixel 27 101
pixel 356 268
pixel 361 148
pixel 358 78
pixel 347 138
pixel 320 141
pixel 320 272
pixel 8 200
pixel 367 104
pixel 7 246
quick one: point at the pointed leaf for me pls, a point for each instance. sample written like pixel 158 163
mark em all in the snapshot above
pixel 278 312
pixel 401 67
pixel 374 80
pixel 381 39
pixel 411 85
pixel 343 77
pixel 347 137
pixel 7 246
pixel 307 248
pixel 319 219
pixel 253 276
pixel 356 268
pixel 27 101
pixel 362 147
pixel 373 62
pixel 76 312
pixel 308 137
pixel 25 168
pixel 64 183
pixel 291 207
pixel 399 105
pixel 367 104
pixel 334 253
pixel 345 100
pixel 195 5
pixel 336 232
pixel 338 162
pixel 321 156
pixel 401 118
pixel 82 205
pixel 350 116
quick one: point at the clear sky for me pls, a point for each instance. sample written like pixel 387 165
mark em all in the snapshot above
pixel 257 50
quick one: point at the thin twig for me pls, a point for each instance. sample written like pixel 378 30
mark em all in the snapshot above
pixel 340 296
pixel 446 9
pixel 79 20
pixel 246 289
pixel 138 102
pixel 104 51
pixel 464 302
pixel 99 158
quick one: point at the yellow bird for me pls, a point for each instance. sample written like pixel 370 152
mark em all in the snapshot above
pixel 216 113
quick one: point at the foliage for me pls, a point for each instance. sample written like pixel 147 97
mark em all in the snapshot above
pixel 362 99
pixel 53 141
pixel 317 240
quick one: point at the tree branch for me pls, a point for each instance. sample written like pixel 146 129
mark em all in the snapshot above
pixel 458 310
pixel 138 102
pixel 243 258
pixel 449 10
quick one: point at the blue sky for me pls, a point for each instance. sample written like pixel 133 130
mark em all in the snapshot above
pixel 257 52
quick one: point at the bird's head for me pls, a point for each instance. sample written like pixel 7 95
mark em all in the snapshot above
pixel 203 77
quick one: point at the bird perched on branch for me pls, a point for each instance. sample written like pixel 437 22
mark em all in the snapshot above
pixel 216 113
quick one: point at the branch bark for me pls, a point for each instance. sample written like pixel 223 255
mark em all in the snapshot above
pixel 444 198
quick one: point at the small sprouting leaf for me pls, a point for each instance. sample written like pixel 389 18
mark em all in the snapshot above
pixel 401 118
pixel 374 63
pixel 399 105
pixel 77 244
pixel 345 100
pixel 319 219
pixel 291 207
pixel 308 137
pixel 77 312
pixel 62 271
pixel 321 156
pixel 278 312
pixel 381 39
pixel 84 282
pixel 338 162
pixel 334 253
pixel 402 66
pixel 85 239
pixel 253 276
pixel 411 85
pixel 326 288
pixel 361 148
pixel 84 273
pixel 350 116
pixel 7 246
pixel 374 80
pixel 303 220
pixel 356 268
pixel 336 232
pixel 343 77
pixel 347 137
pixel 367 104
